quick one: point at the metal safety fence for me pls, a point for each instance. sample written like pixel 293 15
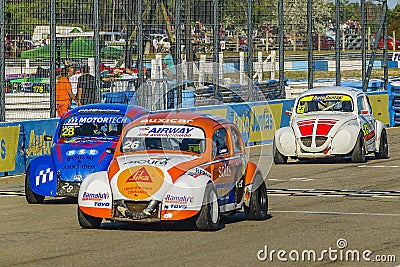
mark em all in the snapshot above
pixel 127 44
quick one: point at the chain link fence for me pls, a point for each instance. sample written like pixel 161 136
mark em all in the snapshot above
pixel 207 37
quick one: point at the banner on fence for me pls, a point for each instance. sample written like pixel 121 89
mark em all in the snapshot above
pixel 8 147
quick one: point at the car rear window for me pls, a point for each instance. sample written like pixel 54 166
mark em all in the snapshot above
pixel 164 137
pixel 92 125
pixel 324 102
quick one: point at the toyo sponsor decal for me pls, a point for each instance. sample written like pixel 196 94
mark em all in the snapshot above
pixel 172 202
pixel 140 182
pixel 95 119
pixel 95 196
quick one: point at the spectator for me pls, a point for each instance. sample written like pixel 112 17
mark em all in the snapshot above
pixel 87 92
pixel 168 65
pixel 73 75
pixel 126 78
pixel 64 93
pixel 155 44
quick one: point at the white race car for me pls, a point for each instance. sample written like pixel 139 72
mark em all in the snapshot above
pixel 329 122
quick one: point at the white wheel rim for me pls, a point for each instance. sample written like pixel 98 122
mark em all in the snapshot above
pixel 214 212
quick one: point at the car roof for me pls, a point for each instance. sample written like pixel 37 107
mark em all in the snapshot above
pixel 101 108
pixel 205 121
pixel 353 92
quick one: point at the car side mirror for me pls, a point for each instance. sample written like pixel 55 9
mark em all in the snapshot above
pixel 48 138
pixel 110 150
pixel 288 112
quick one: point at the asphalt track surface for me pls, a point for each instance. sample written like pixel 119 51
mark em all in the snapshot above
pixel 335 208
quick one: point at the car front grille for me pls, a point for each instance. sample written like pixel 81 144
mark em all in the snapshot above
pixel 306 141
pixel 319 140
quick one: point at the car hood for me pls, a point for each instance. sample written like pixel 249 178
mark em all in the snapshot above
pixel 142 176
pixel 321 124
pixel 76 158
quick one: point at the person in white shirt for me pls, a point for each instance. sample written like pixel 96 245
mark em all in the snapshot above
pixel 74 74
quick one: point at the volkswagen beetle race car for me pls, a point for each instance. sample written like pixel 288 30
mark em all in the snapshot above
pixel 174 166
pixel 79 148
pixel 328 122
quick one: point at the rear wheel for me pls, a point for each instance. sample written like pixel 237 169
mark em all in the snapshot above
pixel 258 205
pixel 31 197
pixel 358 154
pixel 87 221
pixel 383 152
pixel 208 218
pixel 278 157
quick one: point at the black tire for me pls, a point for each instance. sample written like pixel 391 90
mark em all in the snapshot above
pixel 209 216
pixel 383 152
pixel 87 221
pixel 358 154
pixel 31 197
pixel 278 157
pixel 258 205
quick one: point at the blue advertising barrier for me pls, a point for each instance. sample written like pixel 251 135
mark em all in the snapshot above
pixel 257 122
pixel 394 104
pixel 30 142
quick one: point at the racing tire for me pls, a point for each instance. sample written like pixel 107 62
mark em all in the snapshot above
pixel 31 197
pixel 278 157
pixel 88 222
pixel 258 205
pixel 209 216
pixel 383 152
pixel 358 154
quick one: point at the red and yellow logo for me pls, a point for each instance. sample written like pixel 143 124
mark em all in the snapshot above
pixel 140 182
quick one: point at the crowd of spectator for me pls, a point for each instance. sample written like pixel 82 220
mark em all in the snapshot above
pixel 16 43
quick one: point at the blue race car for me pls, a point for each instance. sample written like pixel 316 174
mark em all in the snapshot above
pixel 81 143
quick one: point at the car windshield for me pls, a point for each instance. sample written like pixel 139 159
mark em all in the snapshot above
pixel 92 125
pixel 178 138
pixel 324 102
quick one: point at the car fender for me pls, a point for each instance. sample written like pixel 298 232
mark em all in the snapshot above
pixel 250 185
pixel 95 197
pixel 42 176
pixel 379 126
pixel 184 198
pixel 344 140
pixel 285 141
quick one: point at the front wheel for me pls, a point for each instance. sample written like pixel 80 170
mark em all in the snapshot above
pixel 358 154
pixel 278 157
pixel 31 197
pixel 208 218
pixel 383 152
pixel 87 221
pixel 258 205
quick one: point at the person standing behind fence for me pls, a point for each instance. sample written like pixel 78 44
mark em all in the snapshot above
pixel 73 75
pixel 64 93
pixel 87 88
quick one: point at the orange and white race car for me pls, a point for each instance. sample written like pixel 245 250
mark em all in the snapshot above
pixel 174 166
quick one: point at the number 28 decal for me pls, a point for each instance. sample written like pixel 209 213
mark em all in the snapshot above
pixel 67 132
